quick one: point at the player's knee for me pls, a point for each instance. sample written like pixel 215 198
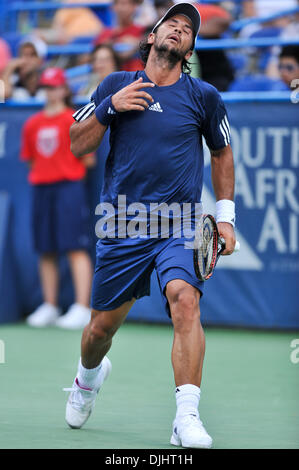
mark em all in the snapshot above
pixel 100 329
pixel 184 306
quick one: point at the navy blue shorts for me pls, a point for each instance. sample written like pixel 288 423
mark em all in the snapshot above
pixel 61 220
pixel 124 267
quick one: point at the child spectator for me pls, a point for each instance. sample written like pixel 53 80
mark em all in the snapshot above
pixel 60 212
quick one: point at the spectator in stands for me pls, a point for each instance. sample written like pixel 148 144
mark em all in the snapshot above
pixel 104 61
pixel 260 8
pixel 290 31
pixel 71 23
pixel 145 14
pixel 21 75
pixel 289 65
pixel 5 55
pixel 60 212
pixel 214 65
pixel 125 36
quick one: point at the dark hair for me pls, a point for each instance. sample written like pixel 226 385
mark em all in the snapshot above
pixel 144 50
pixel 290 51
pixel 110 48
pixel 163 3
pixel 28 44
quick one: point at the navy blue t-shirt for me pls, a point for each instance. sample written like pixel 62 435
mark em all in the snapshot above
pixel 156 156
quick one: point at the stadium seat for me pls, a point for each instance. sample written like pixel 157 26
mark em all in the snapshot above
pixel 238 61
pixel 257 83
pixel 106 15
pixel 13 39
pixel 265 52
pixel 83 40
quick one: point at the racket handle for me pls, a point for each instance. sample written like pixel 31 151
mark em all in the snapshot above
pixel 237 246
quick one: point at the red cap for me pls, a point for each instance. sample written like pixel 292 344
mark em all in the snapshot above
pixel 53 76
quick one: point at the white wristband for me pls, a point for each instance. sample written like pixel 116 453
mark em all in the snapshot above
pixel 225 211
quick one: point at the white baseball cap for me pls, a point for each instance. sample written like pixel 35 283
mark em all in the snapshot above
pixel 39 45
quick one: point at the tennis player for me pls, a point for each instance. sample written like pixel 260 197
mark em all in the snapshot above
pixel 157 118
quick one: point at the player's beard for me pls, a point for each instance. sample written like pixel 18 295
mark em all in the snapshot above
pixel 171 55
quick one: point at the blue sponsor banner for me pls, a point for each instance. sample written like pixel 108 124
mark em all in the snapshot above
pixel 257 287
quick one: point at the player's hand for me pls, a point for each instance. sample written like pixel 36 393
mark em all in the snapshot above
pixel 226 231
pixel 132 98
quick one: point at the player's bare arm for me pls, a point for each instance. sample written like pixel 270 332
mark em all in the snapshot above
pixel 87 135
pixel 223 179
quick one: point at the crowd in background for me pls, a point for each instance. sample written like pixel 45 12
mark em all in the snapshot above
pixel 116 47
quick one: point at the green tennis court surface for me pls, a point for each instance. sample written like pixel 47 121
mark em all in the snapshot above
pixel 250 390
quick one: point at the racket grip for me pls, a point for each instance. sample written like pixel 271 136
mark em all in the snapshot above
pixel 237 246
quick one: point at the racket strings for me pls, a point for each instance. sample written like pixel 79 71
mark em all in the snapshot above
pixel 213 254
pixel 207 247
pixel 207 252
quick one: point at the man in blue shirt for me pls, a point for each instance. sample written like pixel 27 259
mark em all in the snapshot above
pixel 157 118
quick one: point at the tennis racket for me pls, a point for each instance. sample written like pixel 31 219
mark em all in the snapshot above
pixel 208 246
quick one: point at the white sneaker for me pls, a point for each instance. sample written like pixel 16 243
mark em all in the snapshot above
pixel 77 317
pixel 45 315
pixel 188 431
pixel 81 401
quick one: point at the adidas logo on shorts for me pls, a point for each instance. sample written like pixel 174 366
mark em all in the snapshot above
pixel 156 107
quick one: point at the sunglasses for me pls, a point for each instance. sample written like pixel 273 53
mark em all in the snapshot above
pixel 288 67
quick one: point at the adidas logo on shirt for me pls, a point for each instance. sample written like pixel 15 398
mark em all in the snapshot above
pixel 156 107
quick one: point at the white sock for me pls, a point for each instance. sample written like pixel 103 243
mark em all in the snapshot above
pixel 88 378
pixel 187 400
